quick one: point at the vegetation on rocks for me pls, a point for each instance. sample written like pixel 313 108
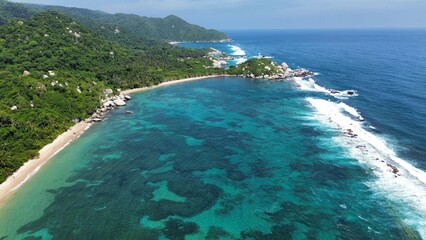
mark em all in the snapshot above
pixel 256 67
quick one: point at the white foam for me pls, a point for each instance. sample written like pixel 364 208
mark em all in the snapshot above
pixel 26 179
pixel 408 187
pixel 87 127
pixel 309 85
pixel 350 110
pixel 260 56
pixel 237 51
pixel 240 60
pixel 343 94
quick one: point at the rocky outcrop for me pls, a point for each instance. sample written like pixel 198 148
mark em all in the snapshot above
pixel 215 53
pixel 281 73
pixel 284 66
pixel 119 102
pixel 300 72
pixel 219 63
pixel 267 69
pixel 108 104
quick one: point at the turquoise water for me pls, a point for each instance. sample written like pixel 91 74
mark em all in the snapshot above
pixel 224 158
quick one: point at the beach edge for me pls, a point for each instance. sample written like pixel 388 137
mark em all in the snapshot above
pixel 32 166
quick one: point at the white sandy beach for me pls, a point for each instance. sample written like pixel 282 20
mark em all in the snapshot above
pixel 23 174
pixel 134 90
pixel 31 167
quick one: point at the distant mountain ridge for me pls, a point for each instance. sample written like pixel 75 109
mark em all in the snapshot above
pixel 170 28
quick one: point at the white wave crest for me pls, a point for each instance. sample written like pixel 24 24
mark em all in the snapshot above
pixel 309 85
pixel 407 185
pixel 352 111
pixel 237 51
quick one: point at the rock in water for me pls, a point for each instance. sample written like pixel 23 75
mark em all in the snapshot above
pixel 284 66
pixel 119 102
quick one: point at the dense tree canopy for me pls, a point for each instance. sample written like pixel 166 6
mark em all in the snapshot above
pixel 124 28
pixel 54 70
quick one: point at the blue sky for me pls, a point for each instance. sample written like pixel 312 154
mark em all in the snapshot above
pixel 269 14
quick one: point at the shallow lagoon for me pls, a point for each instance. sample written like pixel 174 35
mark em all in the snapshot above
pixel 224 158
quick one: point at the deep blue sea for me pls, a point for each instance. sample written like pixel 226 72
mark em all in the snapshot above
pixel 235 158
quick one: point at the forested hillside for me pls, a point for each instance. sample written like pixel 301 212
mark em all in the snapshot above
pixel 54 70
pixel 9 10
pixel 124 28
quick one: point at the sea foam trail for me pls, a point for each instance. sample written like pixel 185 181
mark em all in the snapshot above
pixel 310 85
pixel 237 51
pixel 407 187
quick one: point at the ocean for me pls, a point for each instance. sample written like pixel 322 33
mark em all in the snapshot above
pixel 235 158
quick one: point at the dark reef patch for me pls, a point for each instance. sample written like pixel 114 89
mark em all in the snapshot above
pixel 177 229
pixel 216 233
pixel 279 232
pixel 259 168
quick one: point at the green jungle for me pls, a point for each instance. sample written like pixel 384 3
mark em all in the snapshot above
pixel 54 70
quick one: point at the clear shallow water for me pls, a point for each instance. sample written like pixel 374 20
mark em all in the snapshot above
pixel 232 158
pixel 225 158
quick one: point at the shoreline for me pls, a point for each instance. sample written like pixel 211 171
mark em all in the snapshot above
pixel 32 166
pixel 135 90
